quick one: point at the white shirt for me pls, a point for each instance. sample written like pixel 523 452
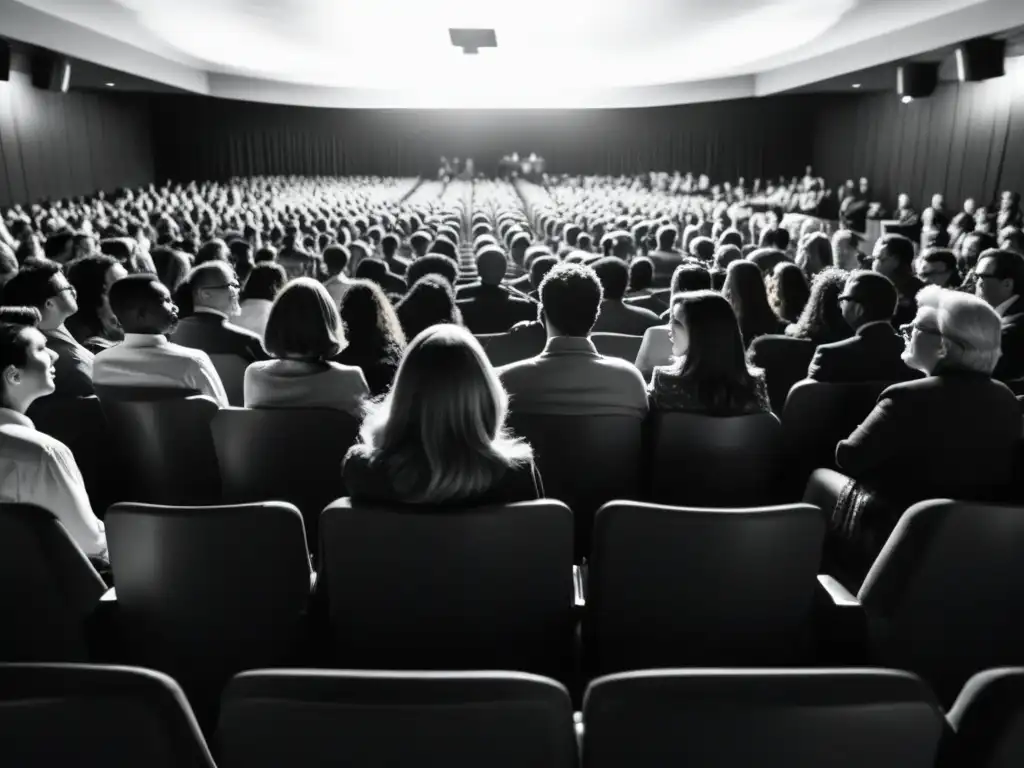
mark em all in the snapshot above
pixel 1001 309
pixel 150 360
pixel 254 315
pixel 337 286
pixel 655 349
pixel 38 469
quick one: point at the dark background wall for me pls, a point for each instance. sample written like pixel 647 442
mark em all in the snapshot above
pixel 64 144
pixel 205 138
pixel 967 140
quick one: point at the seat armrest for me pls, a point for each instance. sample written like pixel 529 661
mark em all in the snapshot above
pixel 840 624
pixel 830 588
pixel 579 588
pixel 110 596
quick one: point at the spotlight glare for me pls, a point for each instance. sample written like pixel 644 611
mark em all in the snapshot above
pixel 907 99
pixel 110 85
pixel 856 85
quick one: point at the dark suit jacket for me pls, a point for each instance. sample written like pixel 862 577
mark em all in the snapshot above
pixel 951 435
pixel 1011 364
pixel 73 376
pixel 492 309
pixel 906 305
pixel 620 317
pixel 520 283
pixel 784 361
pixel 873 354
pixel 216 336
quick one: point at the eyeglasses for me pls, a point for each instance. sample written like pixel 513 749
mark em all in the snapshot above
pixel 231 286
pixel 908 330
pixel 67 289
pixel 848 298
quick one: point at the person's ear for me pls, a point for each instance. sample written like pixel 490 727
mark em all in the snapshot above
pixel 12 376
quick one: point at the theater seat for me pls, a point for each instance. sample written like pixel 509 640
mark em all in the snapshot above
pixel 449 588
pixel 285 454
pixel 203 592
pixel 675 586
pixel 839 718
pixel 111 392
pixel 512 346
pixel 115 717
pixel 988 720
pixel 620 345
pixel 700 460
pixel 50 589
pixel 319 718
pixel 231 369
pixel 164 449
pixel 942 598
pixel 585 461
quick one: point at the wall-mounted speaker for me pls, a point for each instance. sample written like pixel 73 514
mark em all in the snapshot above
pixel 981 59
pixel 51 72
pixel 5 61
pixel 917 80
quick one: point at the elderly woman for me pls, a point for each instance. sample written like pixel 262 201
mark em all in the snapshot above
pixel 952 434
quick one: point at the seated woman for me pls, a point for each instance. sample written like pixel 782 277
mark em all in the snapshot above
pixel 375 336
pixel 439 437
pixel 953 434
pixel 745 291
pixel 264 283
pixel 710 374
pixel 94 325
pixel 303 336
pixel 38 469
pixel 430 301
pixel 788 291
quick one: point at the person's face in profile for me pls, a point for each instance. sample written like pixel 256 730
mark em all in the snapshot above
pixel 933 273
pixel 924 342
pixel 161 313
pixel 680 338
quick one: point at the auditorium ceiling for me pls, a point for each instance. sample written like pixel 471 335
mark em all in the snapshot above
pixel 573 53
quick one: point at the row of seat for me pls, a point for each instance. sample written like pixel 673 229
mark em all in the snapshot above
pixel 205 592
pixel 850 718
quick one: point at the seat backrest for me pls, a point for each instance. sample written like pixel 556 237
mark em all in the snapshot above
pixel 585 461
pixel 447 588
pixel 49 591
pixel 701 460
pixel 988 720
pixel 288 454
pixel 842 718
pixel 941 597
pixel 107 392
pixel 621 345
pixel 231 369
pixel 117 717
pixel 816 417
pixel 225 585
pixel 509 347
pixel 165 449
pixel 382 719
pixel 672 585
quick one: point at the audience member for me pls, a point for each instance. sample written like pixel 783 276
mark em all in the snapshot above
pixel 438 437
pixel 937 266
pixel 266 280
pixel 894 257
pixel 375 338
pixel 616 316
pixel 433 264
pixel 336 259
pixel 1000 283
pixel 430 301
pixel 171 267
pixel 8 265
pixel 845 252
pixel 744 290
pixel 814 254
pixel 488 306
pixel 788 291
pixel 94 325
pixel 215 298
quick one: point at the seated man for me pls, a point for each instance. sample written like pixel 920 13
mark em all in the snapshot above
pixel 41 284
pixel 875 351
pixel 38 469
pixel 641 293
pixel 491 307
pixel 1000 282
pixel 570 378
pixel 894 257
pixel 143 307
pixel 667 257
pixel 616 315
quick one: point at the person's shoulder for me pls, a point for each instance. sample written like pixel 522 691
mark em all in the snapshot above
pixel 31 443
pixel 197 356
pixel 242 333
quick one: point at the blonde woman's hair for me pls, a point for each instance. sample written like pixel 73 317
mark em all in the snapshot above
pixel 440 432
pixel 971 330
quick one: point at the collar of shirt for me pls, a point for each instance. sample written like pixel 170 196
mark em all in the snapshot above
pixel 144 340
pixel 7 416
pixel 210 311
pixel 872 324
pixel 570 345
pixel 1001 309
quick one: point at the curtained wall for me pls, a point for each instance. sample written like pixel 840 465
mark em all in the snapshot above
pixel 64 144
pixel 198 137
pixel 967 140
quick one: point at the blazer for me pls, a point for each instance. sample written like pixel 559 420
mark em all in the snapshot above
pixel 366 480
pixel 492 309
pixel 73 376
pixel 214 335
pixel 620 317
pixel 570 378
pixel 872 354
pixel 1011 364
pixel 953 434
pixel 784 360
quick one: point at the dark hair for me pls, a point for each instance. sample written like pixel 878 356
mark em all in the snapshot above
pixel 33 284
pixel 715 366
pixel 702 248
pixel 171 267
pixel 304 323
pixel 336 257
pixel 372 269
pixel 766 259
pixel 58 242
pixel 88 275
pixel 613 273
pixel 667 236
pixel 947 258
pixel 744 290
pixel 444 247
pixel 265 281
pixel 730 237
pixel 641 273
pixel 539 269
pixel 130 294
pixel 370 321
pixel 570 297
pixel 430 301
pixel 726 255
pixel 432 264
pixel 690 277
pixel 822 319
pixel 212 250
pixel 971 248
pixel 1008 265
pixel 789 291
pixel 900 248
pixel 266 253
pixel 13 343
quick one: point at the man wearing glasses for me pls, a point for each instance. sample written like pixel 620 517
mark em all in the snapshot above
pixel 1000 281
pixel 41 284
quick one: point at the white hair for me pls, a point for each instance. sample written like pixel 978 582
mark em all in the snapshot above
pixel 971 330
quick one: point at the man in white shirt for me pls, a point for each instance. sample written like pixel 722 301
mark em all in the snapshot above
pixel 145 358
pixel 336 258
pixel 35 468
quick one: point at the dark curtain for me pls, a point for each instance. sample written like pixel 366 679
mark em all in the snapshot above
pixel 199 138
pixel 967 140
pixel 56 145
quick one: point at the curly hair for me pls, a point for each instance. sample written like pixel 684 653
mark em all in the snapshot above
pixel 822 320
